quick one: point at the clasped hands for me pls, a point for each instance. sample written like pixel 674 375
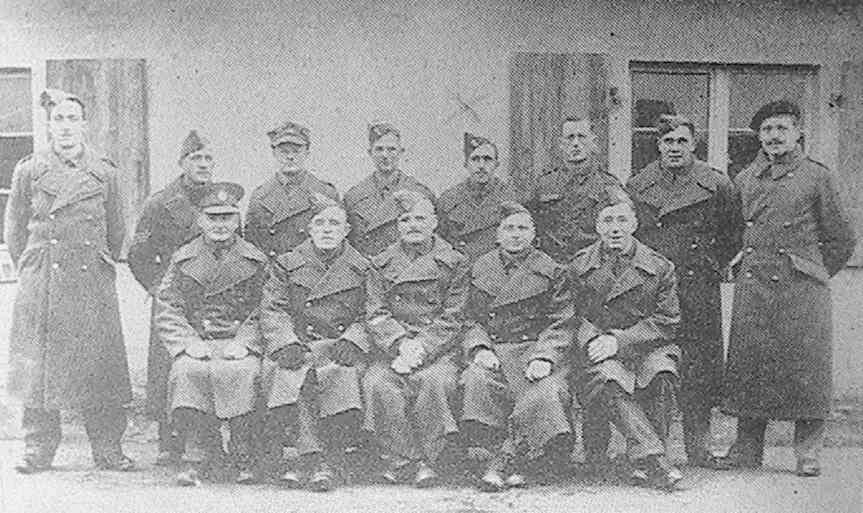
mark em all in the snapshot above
pixel 602 348
pixel 410 357
pixel 201 350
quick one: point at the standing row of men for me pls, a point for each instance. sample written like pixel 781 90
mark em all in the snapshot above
pixel 438 319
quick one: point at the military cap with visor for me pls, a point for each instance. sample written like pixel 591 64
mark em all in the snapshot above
pixel 221 198
pixel 290 132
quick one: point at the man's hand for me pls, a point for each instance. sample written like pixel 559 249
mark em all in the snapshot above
pixel 602 348
pixel 235 351
pixel 412 352
pixel 401 366
pixel 291 357
pixel 344 352
pixel 486 359
pixel 199 350
pixel 537 369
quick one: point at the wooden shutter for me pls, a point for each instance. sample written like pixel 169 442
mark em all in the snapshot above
pixel 546 88
pixel 115 93
pixel 850 106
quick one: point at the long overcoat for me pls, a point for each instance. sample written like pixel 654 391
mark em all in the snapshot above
pixel 65 229
pixel 468 215
pixel 797 235
pixel 168 221
pixel 695 222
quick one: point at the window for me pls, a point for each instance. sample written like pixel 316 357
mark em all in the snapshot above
pixel 720 99
pixel 16 127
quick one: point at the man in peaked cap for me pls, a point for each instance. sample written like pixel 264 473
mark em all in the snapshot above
pixel 207 318
pixel 468 210
pixel 280 209
pixel 796 236
pixel 313 325
pixel 515 291
pixel 168 221
pixel 416 293
pixel 372 210
pixel 64 228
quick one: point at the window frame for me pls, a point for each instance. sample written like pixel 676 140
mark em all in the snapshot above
pixel 28 72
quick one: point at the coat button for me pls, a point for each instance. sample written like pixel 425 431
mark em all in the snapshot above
pixel 774 278
pixel 341 328
pixel 690 273
pixel 300 230
pixel 748 274
pixel 781 251
pixel 397 297
pixel 52 217
pixel 55 266
pixel 53 242
pixel 491 315
pixel 750 249
pixel 84 267
pixel 308 304
pixel 786 224
pixel 749 224
pixel 694 245
pixel 87 243
pixel 236 322
pixel 524 337
pixel 272 253
pixel 659 224
pixel 791 174
pixel 272 231
pixel 462 243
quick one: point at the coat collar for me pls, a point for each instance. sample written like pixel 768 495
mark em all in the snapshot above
pixel 179 203
pixel 700 186
pixel 474 215
pixel 778 167
pixel 285 201
pixel 67 183
pixel 644 261
pixel 399 268
pixel 238 264
pixel 530 278
pixel 345 273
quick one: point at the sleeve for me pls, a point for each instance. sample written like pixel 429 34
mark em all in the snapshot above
pixel 662 323
pixel 171 322
pixel 475 338
pixel 255 229
pixel 441 336
pixel 144 259
pixel 836 234
pixel 277 326
pixel 555 341
pixel 729 223
pixel 18 212
pixel 114 216
pixel 249 333
pixel 383 329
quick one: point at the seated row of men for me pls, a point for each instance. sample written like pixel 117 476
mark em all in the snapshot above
pixel 417 344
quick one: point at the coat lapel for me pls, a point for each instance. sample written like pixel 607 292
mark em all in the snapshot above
pixel 283 203
pixel 423 268
pixel 383 213
pixel 528 280
pixel 216 276
pixel 341 276
pixel 492 276
pixel 633 277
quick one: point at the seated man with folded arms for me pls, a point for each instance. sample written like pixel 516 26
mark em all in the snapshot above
pixel 313 324
pixel 207 317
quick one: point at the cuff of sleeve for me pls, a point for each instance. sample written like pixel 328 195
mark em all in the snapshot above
pixel 387 331
pixel 356 334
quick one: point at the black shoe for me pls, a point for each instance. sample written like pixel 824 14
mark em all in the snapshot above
pixel 395 471
pixel 119 462
pixel 704 459
pixel 656 472
pixel 188 478
pixel 168 459
pixel 323 479
pixel 32 465
pixel 808 467
pixel 246 477
pixel 739 457
pixel 291 479
pixel 426 476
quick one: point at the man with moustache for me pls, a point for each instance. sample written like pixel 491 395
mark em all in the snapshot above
pixel 515 292
pixel 416 295
pixel 65 229
pixel 797 235
pixel 623 314
pixel 566 198
pixel 372 209
pixel 168 220
pixel 689 213
pixel 280 209
pixel 468 211
pixel 207 318
pixel 313 325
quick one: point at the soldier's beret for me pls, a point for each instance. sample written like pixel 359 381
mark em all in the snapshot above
pixel 378 130
pixel 221 198
pixel 321 202
pixel 290 132
pixel 508 208
pixel 408 201
pixel 472 142
pixel 669 122
pixel 192 143
pixel 777 108
pixel 51 97
pixel 614 195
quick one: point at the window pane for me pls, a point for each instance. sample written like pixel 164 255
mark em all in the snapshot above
pixel 655 93
pixel 3 198
pixel 15 101
pixel 12 149
pixel 751 88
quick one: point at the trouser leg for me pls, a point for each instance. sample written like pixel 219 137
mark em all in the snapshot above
pixel 477 434
pixel 241 445
pixel 808 438
pixel 657 400
pixel 596 432
pixel 273 437
pixel 696 432
pixel 750 439
pixel 200 434
pixel 629 418
pixel 42 434
pixel 105 426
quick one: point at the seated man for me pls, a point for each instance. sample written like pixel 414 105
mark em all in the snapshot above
pixel 417 291
pixel 207 319
pixel 514 292
pixel 624 312
pixel 313 324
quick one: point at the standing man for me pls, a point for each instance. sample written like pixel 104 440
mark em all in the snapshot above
pixel 469 210
pixel 65 229
pixel 280 209
pixel 313 324
pixel 515 291
pixel 797 235
pixel 688 212
pixel 372 210
pixel 168 221
pixel 624 299
pixel 207 318
pixel 417 292
pixel 566 199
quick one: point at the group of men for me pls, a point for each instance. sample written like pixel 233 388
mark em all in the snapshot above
pixel 472 320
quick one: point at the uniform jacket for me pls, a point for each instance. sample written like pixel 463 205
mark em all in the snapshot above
pixel 565 204
pixel 372 211
pixel 797 235
pixel 280 210
pixel 468 217
pixel 64 229
pixel 423 298
pixel 203 298
pixel 640 308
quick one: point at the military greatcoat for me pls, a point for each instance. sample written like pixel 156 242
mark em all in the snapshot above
pixel 468 215
pixel 65 229
pixel 422 297
pixel 280 210
pixel 511 301
pixel 797 235
pixel 216 300
pixel 168 221
pixel 372 210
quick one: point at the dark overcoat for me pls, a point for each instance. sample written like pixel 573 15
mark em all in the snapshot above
pixel 468 215
pixel 65 229
pixel 797 235
pixel 280 210
pixel 168 221
pixel 372 211
pixel 694 221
